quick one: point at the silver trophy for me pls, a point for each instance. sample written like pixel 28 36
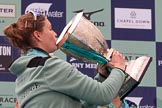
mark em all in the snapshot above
pixel 82 40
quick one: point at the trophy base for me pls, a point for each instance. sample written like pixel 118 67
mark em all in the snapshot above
pixel 135 70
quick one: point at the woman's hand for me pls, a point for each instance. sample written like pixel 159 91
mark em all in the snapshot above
pixel 117 102
pixel 117 61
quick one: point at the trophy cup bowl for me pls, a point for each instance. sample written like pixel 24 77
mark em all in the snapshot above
pixel 82 40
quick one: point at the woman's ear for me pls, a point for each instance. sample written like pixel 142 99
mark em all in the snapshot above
pixel 36 35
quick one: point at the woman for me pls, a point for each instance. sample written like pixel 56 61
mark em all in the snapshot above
pixel 45 81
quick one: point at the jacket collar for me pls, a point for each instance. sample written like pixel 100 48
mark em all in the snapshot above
pixel 38 52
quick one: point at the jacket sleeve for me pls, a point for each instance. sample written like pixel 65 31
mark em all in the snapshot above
pixel 99 78
pixel 124 104
pixel 65 78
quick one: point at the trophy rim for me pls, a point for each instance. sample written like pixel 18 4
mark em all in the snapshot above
pixel 69 28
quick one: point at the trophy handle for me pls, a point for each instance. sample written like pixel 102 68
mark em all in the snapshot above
pixel 108 55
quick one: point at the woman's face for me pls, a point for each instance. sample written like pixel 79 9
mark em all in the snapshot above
pixel 48 37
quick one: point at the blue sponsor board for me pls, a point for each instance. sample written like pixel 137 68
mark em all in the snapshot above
pixel 143 97
pixel 133 20
pixel 85 67
pixel 8 54
pixel 159 63
pixel 108 43
pixel 54 10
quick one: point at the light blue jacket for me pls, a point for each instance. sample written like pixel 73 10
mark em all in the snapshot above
pixel 49 82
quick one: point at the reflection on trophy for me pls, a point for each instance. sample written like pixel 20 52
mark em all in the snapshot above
pixel 82 40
